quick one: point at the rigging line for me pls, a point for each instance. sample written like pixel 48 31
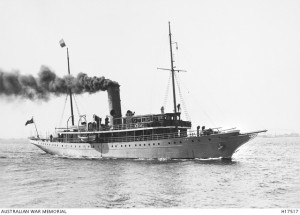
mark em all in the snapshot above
pixel 82 104
pixel 218 108
pixel 181 98
pixel 195 99
pixel 62 115
pixel 208 117
pixel 167 92
pixel 76 105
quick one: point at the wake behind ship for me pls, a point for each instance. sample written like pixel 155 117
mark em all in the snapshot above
pixel 151 136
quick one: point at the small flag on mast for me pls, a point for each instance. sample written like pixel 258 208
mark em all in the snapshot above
pixel 29 121
pixel 62 43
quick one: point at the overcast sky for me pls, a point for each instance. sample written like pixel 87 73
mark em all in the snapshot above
pixel 242 59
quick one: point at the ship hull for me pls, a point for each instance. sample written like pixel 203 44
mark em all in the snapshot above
pixel 203 147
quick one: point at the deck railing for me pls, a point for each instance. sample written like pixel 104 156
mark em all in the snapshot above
pixel 134 125
pixel 143 137
pixel 131 126
pixel 71 139
pixel 151 124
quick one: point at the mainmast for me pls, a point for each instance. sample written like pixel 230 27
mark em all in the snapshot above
pixel 63 44
pixel 70 91
pixel 172 71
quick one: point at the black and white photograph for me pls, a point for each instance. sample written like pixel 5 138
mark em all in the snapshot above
pixel 139 106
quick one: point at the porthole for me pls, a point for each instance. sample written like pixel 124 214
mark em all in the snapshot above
pixel 129 145
pixel 174 142
pixel 192 140
pixel 135 144
pixel 169 143
pixel 121 146
pixel 140 144
pixel 153 144
pixel 125 145
pixel 158 143
pixel 144 144
pixel 149 144
pixel 112 146
pixel 180 142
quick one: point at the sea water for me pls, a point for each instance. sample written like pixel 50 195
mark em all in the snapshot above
pixel 264 173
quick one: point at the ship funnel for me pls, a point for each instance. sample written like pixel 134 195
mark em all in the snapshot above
pixel 114 102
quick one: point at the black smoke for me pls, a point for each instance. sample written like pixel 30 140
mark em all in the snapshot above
pixel 47 83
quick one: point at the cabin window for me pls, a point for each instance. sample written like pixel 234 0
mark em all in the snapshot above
pixel 149 144
pixel 144 144
pixel 153 144
pixel 169 143
pixel 180 142
pixel 135 144
pixel 174 142
pixel 140 144
pixel 192 140
pixel 121 146
pixel 125 145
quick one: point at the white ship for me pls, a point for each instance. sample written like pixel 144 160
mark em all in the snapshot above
pixel 153 136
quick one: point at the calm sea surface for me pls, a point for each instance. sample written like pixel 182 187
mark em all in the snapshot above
pixel 264 173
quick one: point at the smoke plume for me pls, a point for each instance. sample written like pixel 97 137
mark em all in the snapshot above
pixel 47 83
